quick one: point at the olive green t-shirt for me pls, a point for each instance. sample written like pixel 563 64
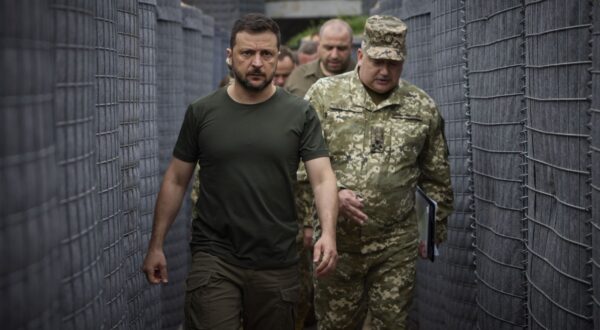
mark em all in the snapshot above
pixel 248 156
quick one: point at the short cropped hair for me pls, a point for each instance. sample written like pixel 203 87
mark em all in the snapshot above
pixel 254 23
pixel 286 52
pixel 308 47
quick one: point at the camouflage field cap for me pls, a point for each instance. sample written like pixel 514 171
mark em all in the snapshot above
pixel 385 38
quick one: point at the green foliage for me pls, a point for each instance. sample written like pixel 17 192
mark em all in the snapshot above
pixel 357 23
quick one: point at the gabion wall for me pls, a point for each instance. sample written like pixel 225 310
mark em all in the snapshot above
pixel 496 88
pixel 84 106
pixel 496 100
pixel 108 186
pixel 148 140
pixel 171 110
pixel 30 236
pixel 209 53
pixel 74 112
pixel 193 21
pixel 595 156
pixel 558 189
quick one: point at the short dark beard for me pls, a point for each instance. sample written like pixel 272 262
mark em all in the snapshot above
pixel 245 83
pixel 342 69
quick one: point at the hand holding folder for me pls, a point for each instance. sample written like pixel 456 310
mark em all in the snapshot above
pixel 425 208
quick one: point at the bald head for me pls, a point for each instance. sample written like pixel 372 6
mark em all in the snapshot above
pixel 335 26
pixel 335 46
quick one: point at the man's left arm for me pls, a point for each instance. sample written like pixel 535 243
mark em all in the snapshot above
pixel 435 174
pixel 323 183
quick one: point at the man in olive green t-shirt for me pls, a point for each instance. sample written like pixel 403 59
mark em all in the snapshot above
pixel 248 138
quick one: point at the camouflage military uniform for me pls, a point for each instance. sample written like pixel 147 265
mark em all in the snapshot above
pixel 380 152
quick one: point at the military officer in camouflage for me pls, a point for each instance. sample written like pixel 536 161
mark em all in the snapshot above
pixel 385 137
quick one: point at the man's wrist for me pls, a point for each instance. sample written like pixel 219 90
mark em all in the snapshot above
pixel 330 233
pixel 155 246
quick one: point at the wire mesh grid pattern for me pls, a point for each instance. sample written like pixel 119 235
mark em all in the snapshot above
pixel 28 167
pixel 418 64
pixel 595 156
pixel 193 61
pixel 455 262
pixel 169 75
pixel 149 167
pixel 558 166
pixel 108 166
pixel 221 43
pixel 74 98
pixel 208 52
pixel 171 109
pixel 496 82
pixel 129 134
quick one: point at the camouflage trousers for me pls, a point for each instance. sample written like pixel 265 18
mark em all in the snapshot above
pixel 380 282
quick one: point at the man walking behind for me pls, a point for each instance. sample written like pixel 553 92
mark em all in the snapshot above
pixel 385 137
pixel 335 50
pixel 286 63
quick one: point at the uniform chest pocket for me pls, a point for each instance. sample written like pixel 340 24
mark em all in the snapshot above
pixel 408 134
pixel 344 129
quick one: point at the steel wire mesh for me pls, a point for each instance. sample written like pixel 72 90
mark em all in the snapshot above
pixel 496 76
pixel 558 215
pixel 192 34
pixel 418 64
pixel 171 110
pixel 595 157
pixel 149 167
pixel 74 98
pixel 108 166
pixel 129 137
pixel 29 234
pixel 220 44
pixel 208 52
pixel 455 262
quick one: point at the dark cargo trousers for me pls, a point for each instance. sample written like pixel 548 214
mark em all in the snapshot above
pixel 223 296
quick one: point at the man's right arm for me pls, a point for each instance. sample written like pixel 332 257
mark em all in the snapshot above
pixel 168 202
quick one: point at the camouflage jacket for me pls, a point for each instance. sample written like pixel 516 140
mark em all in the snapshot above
pixel 382 152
